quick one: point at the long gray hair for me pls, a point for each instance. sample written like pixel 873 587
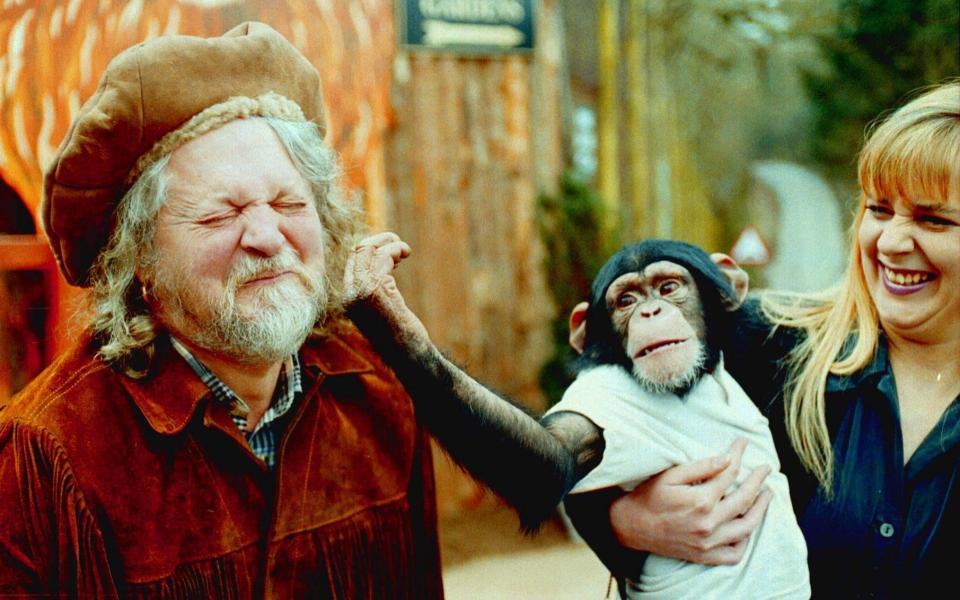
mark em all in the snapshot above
pixel 122 321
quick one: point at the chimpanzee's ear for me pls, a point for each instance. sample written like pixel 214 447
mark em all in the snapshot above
pixel 738 278
pixel 578 326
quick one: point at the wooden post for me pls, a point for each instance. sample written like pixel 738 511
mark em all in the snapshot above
pixel 638 123
pixel 549 84
pixel 660 124
pixel 608 113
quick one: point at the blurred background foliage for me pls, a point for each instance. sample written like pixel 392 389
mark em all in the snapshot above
pixel 571 224
pixel 745 81
pixel 879 53
pixel 736 74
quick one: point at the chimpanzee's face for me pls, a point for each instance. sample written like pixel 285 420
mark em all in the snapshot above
pixel 658 314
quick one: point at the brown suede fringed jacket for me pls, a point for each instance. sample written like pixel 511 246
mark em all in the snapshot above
pixel 115 487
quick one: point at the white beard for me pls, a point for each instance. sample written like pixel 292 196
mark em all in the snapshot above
pixel 280 315
pixel 673 372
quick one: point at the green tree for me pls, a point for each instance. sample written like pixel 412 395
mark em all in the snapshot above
pixel 881 52
pixel 571 226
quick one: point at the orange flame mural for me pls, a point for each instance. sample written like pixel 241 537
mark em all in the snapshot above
pixel 52 53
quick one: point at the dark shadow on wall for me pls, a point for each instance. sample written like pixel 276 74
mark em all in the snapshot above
pixel 23 303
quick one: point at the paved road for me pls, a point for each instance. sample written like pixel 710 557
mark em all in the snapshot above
pixel 810 253
pixel 562 572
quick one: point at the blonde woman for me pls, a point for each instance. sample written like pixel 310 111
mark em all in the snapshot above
pixel 862 388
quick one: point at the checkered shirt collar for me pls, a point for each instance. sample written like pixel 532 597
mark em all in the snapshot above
pixel 289 385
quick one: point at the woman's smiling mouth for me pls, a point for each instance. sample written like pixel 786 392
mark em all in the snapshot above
pixel 901 282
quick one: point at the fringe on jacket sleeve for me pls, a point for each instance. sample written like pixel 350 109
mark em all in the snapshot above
pixel 49 540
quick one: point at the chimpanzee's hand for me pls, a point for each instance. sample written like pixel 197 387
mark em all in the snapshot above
pixel 370 267
pixel 368 279
pixel 683 512
pixel 737 276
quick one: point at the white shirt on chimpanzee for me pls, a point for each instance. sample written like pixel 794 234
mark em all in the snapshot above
pixel 646 433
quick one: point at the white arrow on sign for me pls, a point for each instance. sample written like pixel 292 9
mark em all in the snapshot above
pixel 750 250
pixel 442 33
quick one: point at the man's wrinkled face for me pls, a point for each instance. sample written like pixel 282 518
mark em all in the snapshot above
pixel 239 265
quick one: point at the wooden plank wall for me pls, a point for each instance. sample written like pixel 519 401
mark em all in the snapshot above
pixel 474 141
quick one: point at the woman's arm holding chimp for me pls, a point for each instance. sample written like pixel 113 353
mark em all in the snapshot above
pixel 682 513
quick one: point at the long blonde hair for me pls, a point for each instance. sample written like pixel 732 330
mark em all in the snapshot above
pixel 913 153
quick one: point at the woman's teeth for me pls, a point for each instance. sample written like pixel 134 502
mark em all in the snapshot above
pixel 905 278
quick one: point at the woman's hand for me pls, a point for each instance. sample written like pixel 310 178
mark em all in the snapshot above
pixel 685 512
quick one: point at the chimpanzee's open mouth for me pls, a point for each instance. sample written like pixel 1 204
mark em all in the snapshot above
pixel 657 346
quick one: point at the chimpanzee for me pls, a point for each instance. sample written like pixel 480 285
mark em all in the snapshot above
pixel 651 392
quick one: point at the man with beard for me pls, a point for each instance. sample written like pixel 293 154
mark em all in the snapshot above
pixel 219 429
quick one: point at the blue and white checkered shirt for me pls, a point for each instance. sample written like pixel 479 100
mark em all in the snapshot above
pixel 263 438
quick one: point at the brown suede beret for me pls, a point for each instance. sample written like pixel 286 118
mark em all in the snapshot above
pixel 147 92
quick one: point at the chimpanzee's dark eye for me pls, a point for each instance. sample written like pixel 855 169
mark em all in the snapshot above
pixel 668 287
pixel 624 300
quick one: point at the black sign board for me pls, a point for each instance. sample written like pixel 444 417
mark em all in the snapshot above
pixel 466 26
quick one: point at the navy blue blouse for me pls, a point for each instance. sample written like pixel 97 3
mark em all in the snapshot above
pixel 890 529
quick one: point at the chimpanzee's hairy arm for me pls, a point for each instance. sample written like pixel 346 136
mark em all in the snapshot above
pixel 530 464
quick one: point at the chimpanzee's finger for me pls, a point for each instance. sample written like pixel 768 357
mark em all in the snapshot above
pixel 366 270
pixel 370 262
pixel 396 250
pixel 379 239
